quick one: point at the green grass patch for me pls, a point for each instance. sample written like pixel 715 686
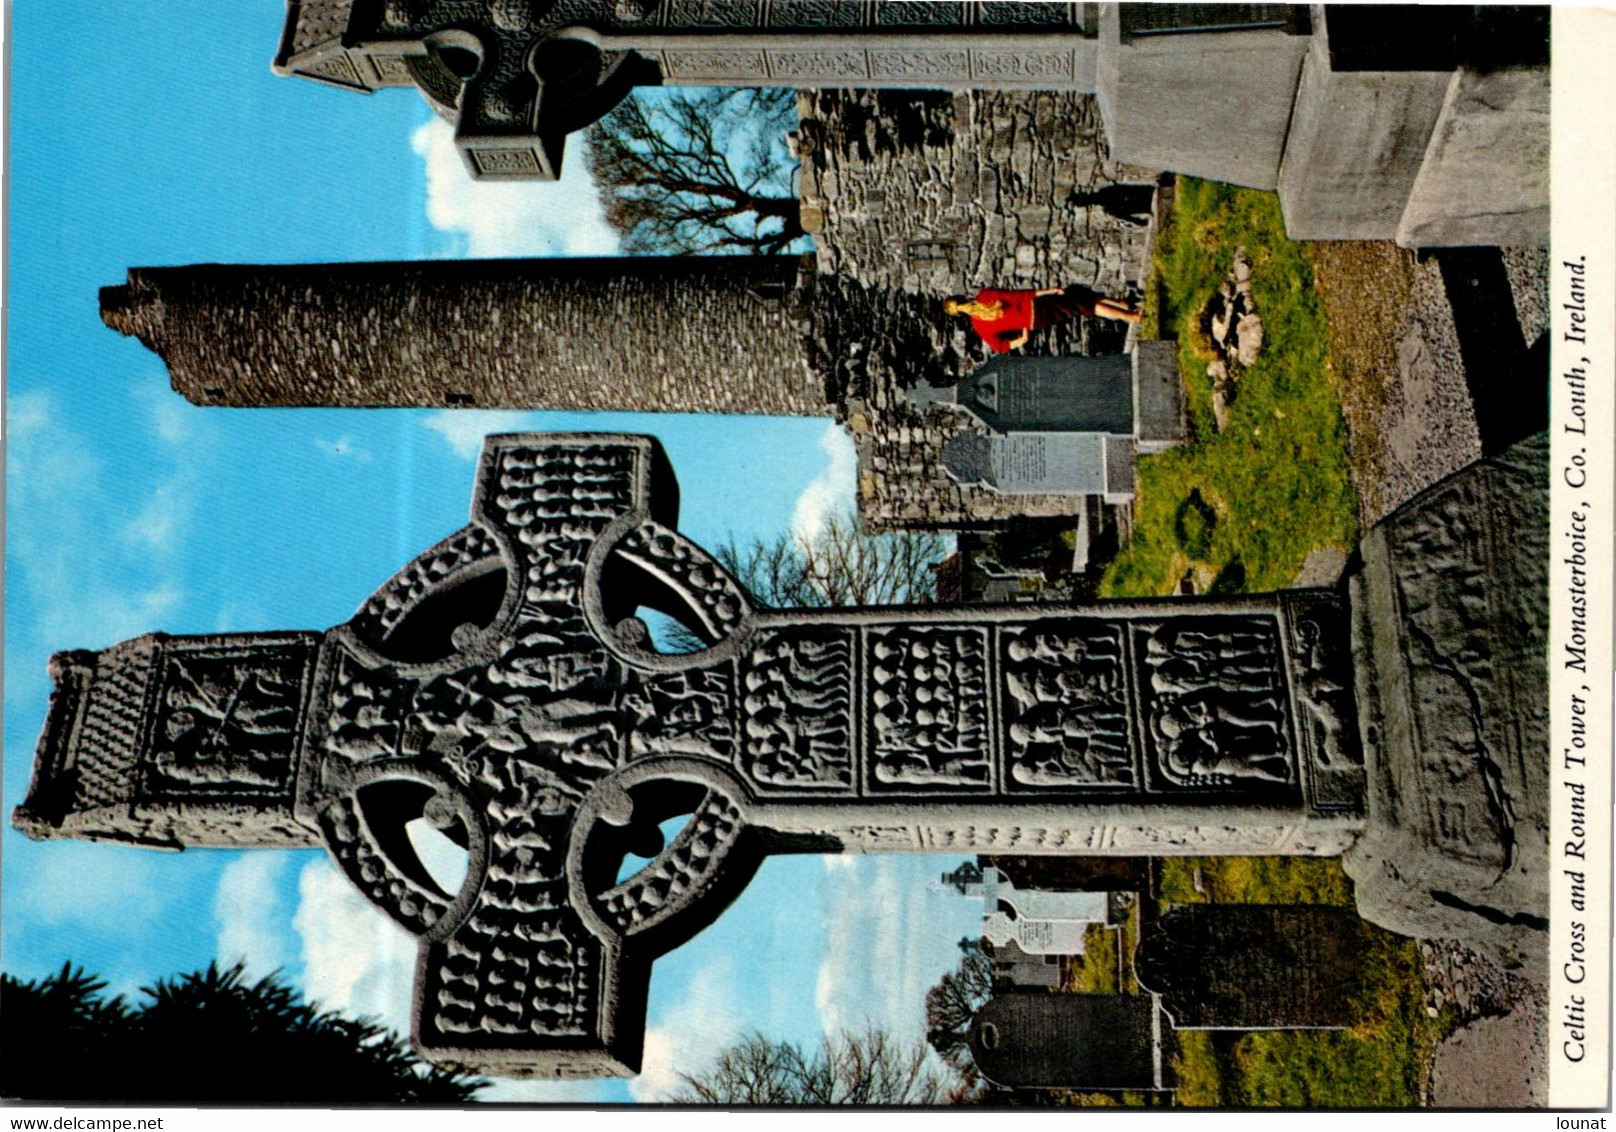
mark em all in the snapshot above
pixel 1254 880
pixel 1274 485
pixel 1095 971
pixel 1380 1063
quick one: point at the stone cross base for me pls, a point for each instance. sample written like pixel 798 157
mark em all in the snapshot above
pixel 1450 644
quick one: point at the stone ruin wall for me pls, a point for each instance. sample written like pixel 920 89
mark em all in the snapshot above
pixel 912 197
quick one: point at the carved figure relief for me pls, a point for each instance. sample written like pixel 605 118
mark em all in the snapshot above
pixel 228 723
pixel 1324 693
pixel 796 710
pixel 686 713
pixel 1065 706
pixel 928 707
pixel 1215 702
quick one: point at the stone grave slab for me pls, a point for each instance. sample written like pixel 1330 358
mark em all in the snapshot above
pixel 1031 1040
pixel 1255 966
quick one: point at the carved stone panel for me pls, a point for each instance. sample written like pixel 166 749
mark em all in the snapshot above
pixel 796 709
pixel 928 708
pixel 229 719
pixel 1030 66
pixel 1213 703
pixel 816 68
pixel 947 67
pixel 737 66
pixel 1326 709
pixel 1065 706
pixel 684 713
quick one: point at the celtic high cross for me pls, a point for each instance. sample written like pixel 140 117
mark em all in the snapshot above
pixel 502 687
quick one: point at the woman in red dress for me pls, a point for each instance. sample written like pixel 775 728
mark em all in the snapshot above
pixel 1003 319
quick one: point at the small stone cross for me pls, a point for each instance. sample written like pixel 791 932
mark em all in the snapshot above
pixel 502 687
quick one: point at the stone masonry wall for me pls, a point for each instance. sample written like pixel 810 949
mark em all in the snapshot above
pixel 914 196
pixel 674 334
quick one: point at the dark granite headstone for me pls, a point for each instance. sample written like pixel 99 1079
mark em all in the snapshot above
pixel 1068 1041
pixel 1255 966
pixel 1066 393
pixel 1075 874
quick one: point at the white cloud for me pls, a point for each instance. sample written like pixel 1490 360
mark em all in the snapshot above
pixel 355 959
pixel 690 1035
pixel 465 429
pixel 833 489
pixel 74 583
pixel 27 415
pixel 159 524
pixel 511 218
pixel 890 935
pixel 174 420
pixel 249 911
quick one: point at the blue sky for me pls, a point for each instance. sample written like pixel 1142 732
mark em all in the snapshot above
pixel 148 135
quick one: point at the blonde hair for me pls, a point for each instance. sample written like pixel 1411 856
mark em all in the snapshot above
pixel 974 308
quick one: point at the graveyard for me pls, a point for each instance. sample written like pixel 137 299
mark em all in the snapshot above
pixel 1311 454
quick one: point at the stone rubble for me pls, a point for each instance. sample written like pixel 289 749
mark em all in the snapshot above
pixel 1236 330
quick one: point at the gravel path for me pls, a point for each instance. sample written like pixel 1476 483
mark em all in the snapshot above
pixel 1497 1058
pixel 1396 357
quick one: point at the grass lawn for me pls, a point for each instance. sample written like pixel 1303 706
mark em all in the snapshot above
pixel 1240 509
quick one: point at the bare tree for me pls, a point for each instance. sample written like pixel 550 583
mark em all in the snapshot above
pixel 839 565
pixel 847 1068
pixel 950 1006
pixel 699 170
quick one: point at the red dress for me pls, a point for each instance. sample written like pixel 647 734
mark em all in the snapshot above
pixel 1015 318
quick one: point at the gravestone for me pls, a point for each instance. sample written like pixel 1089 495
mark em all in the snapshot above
pixel 1063 424
pixel 1089 874
pixel 1070 1041
pixel 1045 463
pixel 1061 393
pixel 501 688
pixel 1255 966
pixel 1044 937
pixel 1015 968
pixel 1045 923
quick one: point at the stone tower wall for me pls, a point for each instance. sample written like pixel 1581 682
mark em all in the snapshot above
pixel 676 334
pixel 913 196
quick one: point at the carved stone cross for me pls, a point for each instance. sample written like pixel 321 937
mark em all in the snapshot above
pixel 517 76
pixel 501 687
